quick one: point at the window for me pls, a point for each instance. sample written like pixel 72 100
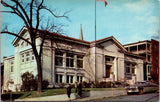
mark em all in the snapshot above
pixel 149 57
pixel 133 69
pixel 59 78
pixel 69 79
pixel 79 78
pixel 22 58
pixel 12 64
pixel 22 44
pixel 130 68
pixel 80 61
pixel 32 56
pixel 27 56
pixel 109 59
pixel 59 59
pixel 149 70
pixel 70 60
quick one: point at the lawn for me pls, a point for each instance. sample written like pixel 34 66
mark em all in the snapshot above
pixel 50 92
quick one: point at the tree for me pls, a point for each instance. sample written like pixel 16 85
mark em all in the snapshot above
pixel 29 12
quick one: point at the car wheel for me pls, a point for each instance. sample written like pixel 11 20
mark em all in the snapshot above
pixel 141 91
pixel 128 93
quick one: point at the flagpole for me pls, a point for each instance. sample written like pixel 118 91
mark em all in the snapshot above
pixel 95 41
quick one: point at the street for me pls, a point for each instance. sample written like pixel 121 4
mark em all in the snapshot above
pixel 154 97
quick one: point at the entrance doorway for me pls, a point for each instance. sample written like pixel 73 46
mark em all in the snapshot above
pixel 108 71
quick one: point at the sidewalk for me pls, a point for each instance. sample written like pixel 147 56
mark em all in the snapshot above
pixel 103 94
pixel 91 95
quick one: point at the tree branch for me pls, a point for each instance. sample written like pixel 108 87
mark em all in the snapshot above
pixel 15 11
pixel 56 15
pixel 23 10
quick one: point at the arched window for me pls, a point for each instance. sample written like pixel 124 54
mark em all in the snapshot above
pixel 22 44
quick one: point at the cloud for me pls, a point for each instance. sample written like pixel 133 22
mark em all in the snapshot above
pixel 139 6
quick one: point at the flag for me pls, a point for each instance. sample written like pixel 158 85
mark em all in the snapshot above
pixel 103 1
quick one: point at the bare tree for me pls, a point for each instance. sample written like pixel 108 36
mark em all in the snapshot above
pixel 29 12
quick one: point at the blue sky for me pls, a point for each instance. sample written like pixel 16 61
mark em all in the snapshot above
pixel 127 20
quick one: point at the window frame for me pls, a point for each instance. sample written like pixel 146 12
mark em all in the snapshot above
pixel 79 58
pixel 59 78
pixel 69 79
pixel 12 66
pixel 57 57
pixel 70 60
pixel 130 68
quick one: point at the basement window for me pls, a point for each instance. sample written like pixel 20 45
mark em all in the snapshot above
pixel 59 78
pixel 79 78
pixel 69 79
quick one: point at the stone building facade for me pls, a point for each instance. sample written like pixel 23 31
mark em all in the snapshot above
pixel 149 49
pixel 66 60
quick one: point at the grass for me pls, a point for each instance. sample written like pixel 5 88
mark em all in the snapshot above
pixel 50 92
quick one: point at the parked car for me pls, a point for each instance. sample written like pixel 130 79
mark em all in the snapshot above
pixel 142 87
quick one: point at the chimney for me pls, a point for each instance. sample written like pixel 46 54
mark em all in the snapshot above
pixel 81 33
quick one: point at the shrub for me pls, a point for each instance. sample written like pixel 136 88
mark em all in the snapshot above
pixel 28 82
pixel 120 84
pixel 86 85
pixel 103 84
pixel 45 84
pixel 62 85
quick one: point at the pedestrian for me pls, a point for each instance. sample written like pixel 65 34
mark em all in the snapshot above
pixel 69 91
pixel 79 89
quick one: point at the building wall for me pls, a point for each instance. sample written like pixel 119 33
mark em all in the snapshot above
pixel 138 69
pixel 142 48
pixel 50 69
pixel 8 74
pixel 110 49
pixel 155 60
pixel 19 66
pixel 24 61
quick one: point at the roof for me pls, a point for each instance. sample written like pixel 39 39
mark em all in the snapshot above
pixel 62 37
pixel 133 55
pixel 110 38
pixel 53 35
pixel 22 31
pixel 70 39
pixel 10 57
pixel 135 43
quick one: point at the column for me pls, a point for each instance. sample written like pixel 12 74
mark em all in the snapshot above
pixel 64 78
pixel 75 78
pixel 75 61
pixel 146 53
pixel 64 60
pixel 137 49
pixel 104 73
pixel 53 73
pixel 129 49
pixel 116 69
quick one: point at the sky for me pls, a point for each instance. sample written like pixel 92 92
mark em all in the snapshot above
pixel 127 20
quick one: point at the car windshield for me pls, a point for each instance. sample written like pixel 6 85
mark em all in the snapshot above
pixel 140 83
